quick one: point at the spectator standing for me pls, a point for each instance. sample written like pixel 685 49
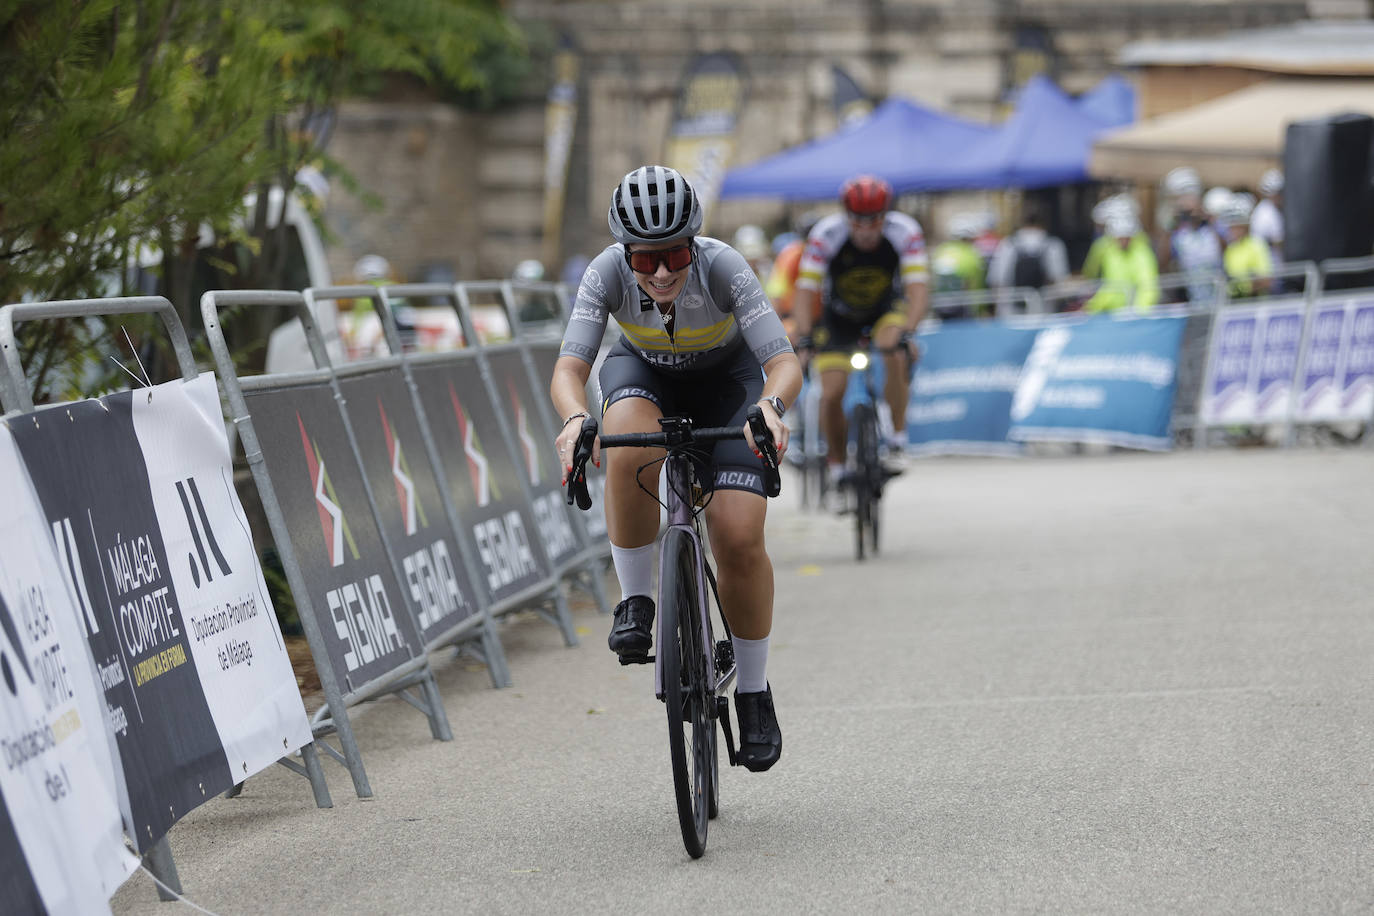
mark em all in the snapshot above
pixel 1249 264
pixel 1130 270
pixel 1266 222
pixel 958 266
pixel 1029 257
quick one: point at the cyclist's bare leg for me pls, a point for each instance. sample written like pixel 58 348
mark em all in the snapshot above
pixel 734 522
pixel 833 382
pixel 896 387
pixel 631 514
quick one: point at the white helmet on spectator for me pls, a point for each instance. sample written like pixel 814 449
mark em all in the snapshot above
pixel 964 226
pixel 529 270
pixel 1122 224
pixel 750 241
pixel 1237 212
pixel 1182 181
pixel 1271 183
pixel 371 267
pixel 1216 200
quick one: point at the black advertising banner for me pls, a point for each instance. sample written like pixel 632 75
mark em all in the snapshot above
pixel 88 469
pixel 408 500
pixel 536 457
pixel 357 602
pixel 545 356
pixel 61 836
pixel 482 476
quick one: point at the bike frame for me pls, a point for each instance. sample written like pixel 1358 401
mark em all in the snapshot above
pixel 679 479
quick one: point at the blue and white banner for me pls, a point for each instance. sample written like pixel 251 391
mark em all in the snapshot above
pixel 962 393
pixel 1104 380
pixel 1251 363
pixel 1336 382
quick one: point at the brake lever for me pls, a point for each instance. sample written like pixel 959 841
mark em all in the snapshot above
pixel 577 477
pixel 763 441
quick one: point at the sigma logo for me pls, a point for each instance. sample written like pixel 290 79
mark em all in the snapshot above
pixel 522 432
pixel 202 535
pixel 12 636
pixel 411 510
pixel 483 487
pixel 332 521
pixel 70 557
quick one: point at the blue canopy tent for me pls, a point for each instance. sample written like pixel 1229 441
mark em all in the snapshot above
pixel 1111 101
pixel 903 142
pixel 1046 140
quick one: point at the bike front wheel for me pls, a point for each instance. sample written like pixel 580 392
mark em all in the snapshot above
pixel 866 478
pixel 687 688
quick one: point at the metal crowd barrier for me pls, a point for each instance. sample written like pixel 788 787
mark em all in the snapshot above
pixel 361 625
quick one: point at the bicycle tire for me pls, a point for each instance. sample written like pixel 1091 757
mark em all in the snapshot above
pixel 868 473
pixel 686 688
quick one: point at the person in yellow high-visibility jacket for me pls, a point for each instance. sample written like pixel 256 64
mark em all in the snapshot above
pixel 1129 269
pixel 1248 261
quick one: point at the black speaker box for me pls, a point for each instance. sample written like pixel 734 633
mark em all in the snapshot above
pixel 1327 194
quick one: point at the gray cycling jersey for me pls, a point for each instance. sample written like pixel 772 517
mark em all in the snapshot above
pixel 721 301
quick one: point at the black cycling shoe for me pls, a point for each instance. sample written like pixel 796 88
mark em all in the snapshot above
pixel 633 630
pixel 760 739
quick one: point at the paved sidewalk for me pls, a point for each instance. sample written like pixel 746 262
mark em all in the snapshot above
pixel 1127 683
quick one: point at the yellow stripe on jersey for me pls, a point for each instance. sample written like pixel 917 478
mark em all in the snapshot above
pixel 686 340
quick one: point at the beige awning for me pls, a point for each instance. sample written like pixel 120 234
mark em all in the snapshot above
pixel 1230 140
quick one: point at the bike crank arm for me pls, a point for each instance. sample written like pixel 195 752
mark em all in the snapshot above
pixel 723 714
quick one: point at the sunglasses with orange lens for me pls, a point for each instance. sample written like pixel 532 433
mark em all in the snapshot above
pixel 646 262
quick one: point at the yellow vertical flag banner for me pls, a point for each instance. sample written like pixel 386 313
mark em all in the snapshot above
pixel 560 121
pixel 701 139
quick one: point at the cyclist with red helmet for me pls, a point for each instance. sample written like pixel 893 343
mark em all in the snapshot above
pixel 869 266
pixel 698 336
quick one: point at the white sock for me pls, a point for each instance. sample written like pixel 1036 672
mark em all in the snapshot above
pixel 751 664
pixel 634 567
pixel 836 472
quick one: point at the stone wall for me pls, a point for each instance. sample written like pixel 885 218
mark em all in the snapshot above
pixel 463 192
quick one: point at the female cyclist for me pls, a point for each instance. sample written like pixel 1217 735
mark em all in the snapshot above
pixel 699 334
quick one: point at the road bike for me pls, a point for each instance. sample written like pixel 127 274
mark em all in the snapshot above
pixel 692 671
pixel 868 476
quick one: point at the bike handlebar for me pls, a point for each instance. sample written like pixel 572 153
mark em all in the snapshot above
pixel 668 439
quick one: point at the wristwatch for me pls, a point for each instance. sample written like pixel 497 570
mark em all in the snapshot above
pixel 776 403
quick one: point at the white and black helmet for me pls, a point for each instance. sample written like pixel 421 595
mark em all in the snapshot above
pixel 654 204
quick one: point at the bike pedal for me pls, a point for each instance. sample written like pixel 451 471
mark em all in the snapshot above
pixel 635 659
pixel 723 714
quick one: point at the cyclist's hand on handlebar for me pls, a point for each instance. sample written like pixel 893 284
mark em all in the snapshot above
pixel 566 443
pixel 776 428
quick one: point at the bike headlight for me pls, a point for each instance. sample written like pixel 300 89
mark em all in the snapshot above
pixel 859 361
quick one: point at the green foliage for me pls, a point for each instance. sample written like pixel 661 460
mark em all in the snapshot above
pixel 131 128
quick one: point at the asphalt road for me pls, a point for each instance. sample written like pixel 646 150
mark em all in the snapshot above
pixel 1113 684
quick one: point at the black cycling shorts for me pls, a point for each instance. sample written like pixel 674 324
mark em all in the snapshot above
pixel 719 396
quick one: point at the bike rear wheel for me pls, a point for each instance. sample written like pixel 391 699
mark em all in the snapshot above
pixel 688 690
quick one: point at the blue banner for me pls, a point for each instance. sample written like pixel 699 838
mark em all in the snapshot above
pixel 1105 380
pixel 962 393
pixel 1336 382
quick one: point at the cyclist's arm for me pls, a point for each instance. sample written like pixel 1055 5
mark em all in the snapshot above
pixel 917 303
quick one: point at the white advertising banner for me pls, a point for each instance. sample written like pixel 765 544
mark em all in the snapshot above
pixel 231 625
pixel 61 838
pixel 1252 363
pixel 136 489
pixel 1337 378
